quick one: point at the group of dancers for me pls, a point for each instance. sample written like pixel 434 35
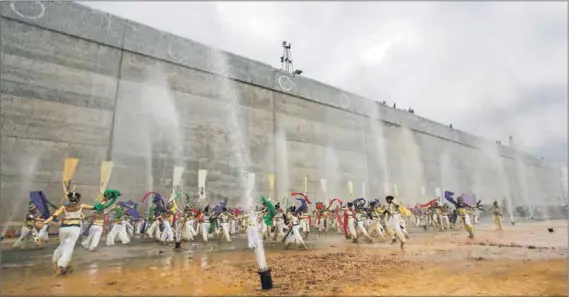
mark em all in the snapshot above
pixel 166 222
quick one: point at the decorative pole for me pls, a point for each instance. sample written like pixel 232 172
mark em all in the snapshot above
pixel 202 174
pixel 69 166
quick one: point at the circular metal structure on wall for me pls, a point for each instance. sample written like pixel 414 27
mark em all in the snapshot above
pixel 30 17
pixel 177 53
pixel 285 83
pixel 345 101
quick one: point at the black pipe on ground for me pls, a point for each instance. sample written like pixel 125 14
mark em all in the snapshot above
pixel 266 279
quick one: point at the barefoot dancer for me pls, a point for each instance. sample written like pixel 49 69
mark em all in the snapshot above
pixel 375 226
pixel 69 231
pixel 350 217
pixel 32 222
pixel 394 220
pixel 293 235
pixel 97 223
pixel 462 211
pixel 497 212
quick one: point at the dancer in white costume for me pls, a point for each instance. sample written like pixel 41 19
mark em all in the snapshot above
pixel 375 226
pixel 350 213
pixel 69 231
pixel 304 218
pixel 118 228
pixel 167 218
pixel 445 222
pixel 224 218
pixel 360 219
pixel 188 232
pixel 294 226
pixel 204 224
pixel 394 220
pixel 96 229
pixel 95 232
pixel 33 221
pixel 279 223
pixel 253 234
pixel 154 229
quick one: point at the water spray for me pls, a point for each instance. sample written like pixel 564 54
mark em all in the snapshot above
pixel 177 178
pixel 254 234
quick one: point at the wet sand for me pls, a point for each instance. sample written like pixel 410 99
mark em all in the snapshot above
pixel 522 260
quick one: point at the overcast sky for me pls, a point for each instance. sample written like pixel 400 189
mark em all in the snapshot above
pixel 492 69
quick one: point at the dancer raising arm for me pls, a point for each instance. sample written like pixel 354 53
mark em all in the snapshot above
pixel 71 229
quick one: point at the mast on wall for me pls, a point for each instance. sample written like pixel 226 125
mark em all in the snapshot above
pixel 286 60
pixel 512 143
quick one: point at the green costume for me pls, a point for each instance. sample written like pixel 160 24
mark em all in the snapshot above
pixel 271 212
pixel 151 211
pixel 212 225
pixel 117 214
pixel 112 195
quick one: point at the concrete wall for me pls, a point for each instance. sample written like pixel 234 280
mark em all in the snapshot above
pixel 81 83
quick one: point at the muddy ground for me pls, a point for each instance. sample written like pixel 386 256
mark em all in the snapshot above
pixel 521 260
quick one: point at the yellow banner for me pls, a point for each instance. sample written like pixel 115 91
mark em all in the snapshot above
pixel 69 166
pixel 106 170
pixel 351 189
pixel 272 182
pixel 395 191
pixel 305 185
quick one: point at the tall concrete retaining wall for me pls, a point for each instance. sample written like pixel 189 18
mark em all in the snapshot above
pixel 77 82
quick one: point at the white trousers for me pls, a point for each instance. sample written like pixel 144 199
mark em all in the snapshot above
pixel 304 225
pixel 279 229
pixel 352 228
pixel 138 227
pixel 178 230
pixel 92 241
pixel 445 222
pixel 362 229
pixel 434 219
pixel 403 226
pixel 225 227
pixel 322 226
pixel 375 226
pixel 204 230
pixel 467 221
pixel 43 234
pixel 168 234
pixel 128 227
pixel 188 232
pixel 233 226
pixel 294 236
pixel 120 232
pixel 154 229
pixel 67 238
pixel 24 233
pixel 394 223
